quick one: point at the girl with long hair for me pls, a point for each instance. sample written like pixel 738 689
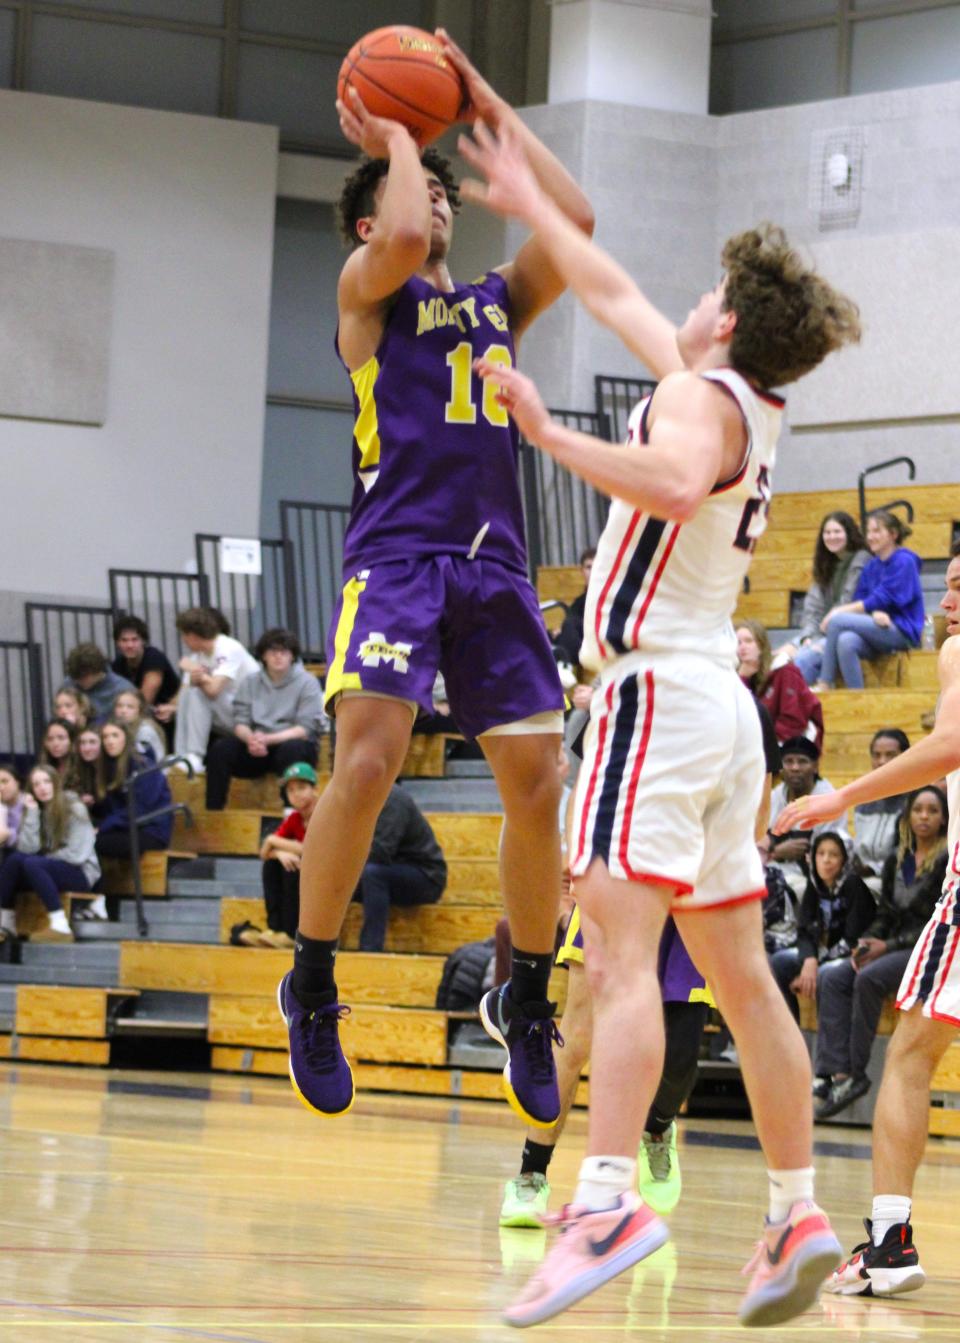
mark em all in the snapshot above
pixel 58 749
pixel 121 767
pixel 851 992
pixel 55 852
pixel 838 560
pixel 793 708
pixel 131 707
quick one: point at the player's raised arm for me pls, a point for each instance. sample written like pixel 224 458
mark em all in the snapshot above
pixel 695 440
pixel 533 279
pixel 397 237
pixel 926 761
pixel 601 284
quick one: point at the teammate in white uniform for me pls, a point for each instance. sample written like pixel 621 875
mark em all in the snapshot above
pixel 673 766
pixel 929 994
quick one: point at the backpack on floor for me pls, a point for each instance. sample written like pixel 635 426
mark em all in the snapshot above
pixel 462 982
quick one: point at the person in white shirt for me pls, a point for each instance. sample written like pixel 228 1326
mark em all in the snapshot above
pixel 213 668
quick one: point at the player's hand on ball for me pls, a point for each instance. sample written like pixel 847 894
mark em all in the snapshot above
pixel 482 98
pixel 511 188
pixel 369 133
pixel 519 397
pixel 809 811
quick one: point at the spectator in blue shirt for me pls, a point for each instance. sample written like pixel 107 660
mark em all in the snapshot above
pixel 886 614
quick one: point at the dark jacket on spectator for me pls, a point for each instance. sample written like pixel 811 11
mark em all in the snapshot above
pixel 900 926
pixel 830 923
pixel 151 791
pixel 403 835
pixel 566 646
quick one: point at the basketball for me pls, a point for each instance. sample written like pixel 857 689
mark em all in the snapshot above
pixel 402 73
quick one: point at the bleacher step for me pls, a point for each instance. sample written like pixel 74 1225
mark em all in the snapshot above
pixel 166 1013
pixel 69 963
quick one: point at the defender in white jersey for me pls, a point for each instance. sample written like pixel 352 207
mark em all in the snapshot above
pixel 673 767
pixel 929 995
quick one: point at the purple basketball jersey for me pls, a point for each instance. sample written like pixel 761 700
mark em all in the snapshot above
pixel 434 456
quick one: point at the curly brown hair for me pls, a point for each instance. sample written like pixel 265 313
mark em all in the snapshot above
pixel 356 199
pixel 788 318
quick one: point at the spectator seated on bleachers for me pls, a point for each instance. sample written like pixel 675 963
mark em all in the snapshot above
pixel 88 670
pixel 213 668
pixel 130 707
pixel 12 807
pixel 281 854
pixel 73 706
pixel 838 560
pixel 148 668
pixel 885 615
pixel 55 852
pixel 278 716
pixel 875 824
pixel 405 867
pixel 85 769
pixel 836 909
pixel 793 707
pixel 851 990
pixel 120 768
pixel 566 646
pixel 58 749
pixel 799 764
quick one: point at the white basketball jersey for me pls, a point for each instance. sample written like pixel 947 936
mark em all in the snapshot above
pixel 668 587
pixel 949 907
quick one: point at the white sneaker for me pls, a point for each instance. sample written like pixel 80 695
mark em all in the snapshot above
pixel 195 760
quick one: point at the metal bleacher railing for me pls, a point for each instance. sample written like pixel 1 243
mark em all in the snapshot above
pixel 615 398
pixel 564 515
pixel 21 713
pixel 313 536
pixel 251 603
pixel 53 628
pixel 157 597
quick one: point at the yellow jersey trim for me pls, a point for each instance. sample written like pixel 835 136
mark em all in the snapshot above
pixel 366 431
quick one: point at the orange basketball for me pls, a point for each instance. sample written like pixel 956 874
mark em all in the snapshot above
pixel 402 73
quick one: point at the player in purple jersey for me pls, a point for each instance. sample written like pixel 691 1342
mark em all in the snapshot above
pixel 435 577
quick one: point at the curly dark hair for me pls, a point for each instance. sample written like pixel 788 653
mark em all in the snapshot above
pixel 788 318
pixel 356 198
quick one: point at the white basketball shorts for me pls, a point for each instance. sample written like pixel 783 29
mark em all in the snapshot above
pixel 671 780
pixel 932 976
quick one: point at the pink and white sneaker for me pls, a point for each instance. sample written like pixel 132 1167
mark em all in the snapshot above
pixel 790 1265
pixel 593 1248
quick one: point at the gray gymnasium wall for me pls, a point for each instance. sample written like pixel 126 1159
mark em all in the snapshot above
pixel 668 188
pixel 186 206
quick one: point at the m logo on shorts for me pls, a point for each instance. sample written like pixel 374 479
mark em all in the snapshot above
pixel 376 649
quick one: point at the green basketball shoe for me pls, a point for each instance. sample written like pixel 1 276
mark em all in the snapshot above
pixel 525 1201
pixel 658 1171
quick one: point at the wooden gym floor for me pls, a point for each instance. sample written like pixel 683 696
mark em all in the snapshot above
pixel 142 1206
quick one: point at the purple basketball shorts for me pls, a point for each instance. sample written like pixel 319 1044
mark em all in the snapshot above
pixel 479 623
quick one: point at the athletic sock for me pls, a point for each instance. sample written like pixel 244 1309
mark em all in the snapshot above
pixel 603 1180
pixel 529 975
pixel 536 1157
pixel 8 920
pixel 313 965
pixel 788 1187
pixel 888 1210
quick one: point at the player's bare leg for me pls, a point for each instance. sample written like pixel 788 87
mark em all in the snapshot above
pixel 518 1015
pixel 372 739
pixel 799 1248
pixel 526 1197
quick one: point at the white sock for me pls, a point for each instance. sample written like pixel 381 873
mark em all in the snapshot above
pixel 888 1210
pixel 8 920
pixel 98 906
pixel 58 922
pixel 603 1179
pixel 788 1187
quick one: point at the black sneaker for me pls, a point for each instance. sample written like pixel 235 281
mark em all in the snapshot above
pixel 842 1094
pixel 886 1269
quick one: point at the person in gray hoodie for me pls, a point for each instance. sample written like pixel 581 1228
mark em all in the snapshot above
pixel 278 713
pixel 55 852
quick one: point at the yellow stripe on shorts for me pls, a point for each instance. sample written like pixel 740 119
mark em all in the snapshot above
pixel 337 678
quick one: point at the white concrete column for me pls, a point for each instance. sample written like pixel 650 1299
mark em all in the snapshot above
pixel 646 53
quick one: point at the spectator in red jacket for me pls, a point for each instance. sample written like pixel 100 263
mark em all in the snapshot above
pixel 792 705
